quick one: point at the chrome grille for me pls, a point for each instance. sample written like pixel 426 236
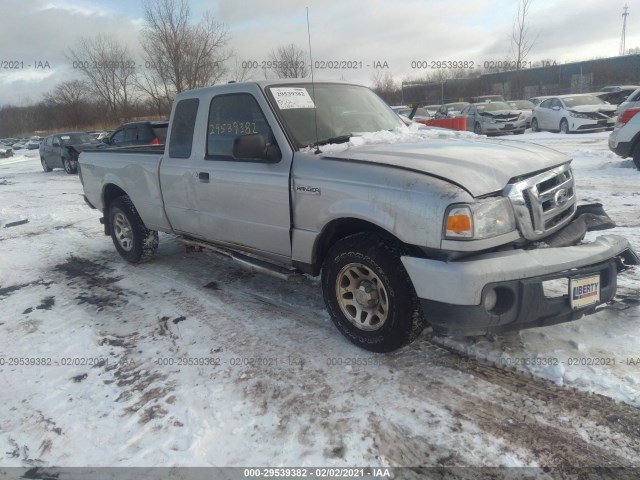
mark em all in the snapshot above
pixel 543 203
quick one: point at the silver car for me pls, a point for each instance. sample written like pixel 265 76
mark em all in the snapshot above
pixel 632 101
pixel 494 118
pixel 523 106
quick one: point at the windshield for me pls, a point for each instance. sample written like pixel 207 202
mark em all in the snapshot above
pixel 522 105
pixel 338 111
pixel 492 107
pixel 75 138
pixel 456 106
pixel 582 100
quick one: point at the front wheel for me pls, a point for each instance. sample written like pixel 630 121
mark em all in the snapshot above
pixel 564 126
pixel 369 294
pixel 477 129
pixel 534 125
pixel 134 242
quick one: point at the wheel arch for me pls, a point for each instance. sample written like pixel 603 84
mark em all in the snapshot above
pixel 339 229
pixel 109 193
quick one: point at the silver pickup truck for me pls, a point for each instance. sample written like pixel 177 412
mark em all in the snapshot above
pixel 461 233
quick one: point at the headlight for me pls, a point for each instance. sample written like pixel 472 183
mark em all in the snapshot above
pixel 578 115
pixel 485 219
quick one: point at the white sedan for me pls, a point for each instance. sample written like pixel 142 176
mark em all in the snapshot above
pixel 573 113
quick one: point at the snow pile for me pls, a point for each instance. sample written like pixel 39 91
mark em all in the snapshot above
pixel 415 133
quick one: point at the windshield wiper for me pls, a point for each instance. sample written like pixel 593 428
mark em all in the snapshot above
pixel 339 139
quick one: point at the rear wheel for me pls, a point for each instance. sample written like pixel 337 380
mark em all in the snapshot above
pixel 45 167
pixel 134 242
pixel 636 156
pixel 369 294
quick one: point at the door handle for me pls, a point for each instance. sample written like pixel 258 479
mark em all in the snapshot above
pixel 203 177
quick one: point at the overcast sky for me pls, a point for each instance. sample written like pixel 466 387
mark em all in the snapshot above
pixel 369 32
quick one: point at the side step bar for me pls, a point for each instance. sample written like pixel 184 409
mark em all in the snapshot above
pixel 247 261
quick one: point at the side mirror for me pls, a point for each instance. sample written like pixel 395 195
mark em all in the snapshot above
pixel 253 147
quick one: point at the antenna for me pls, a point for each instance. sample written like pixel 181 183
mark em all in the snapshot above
pixel 625 14
pixel 313 87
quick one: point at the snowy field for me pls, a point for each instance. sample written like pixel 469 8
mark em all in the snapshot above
pixel 190 361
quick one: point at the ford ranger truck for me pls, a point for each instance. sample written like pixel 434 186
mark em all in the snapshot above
pixel 406 228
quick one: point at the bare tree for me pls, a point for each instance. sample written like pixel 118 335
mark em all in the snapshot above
pixel 109 70
pixel 241 72
pixel 69 100
pixel 179 55
pixel 521 42
pixel 386 87
pixel 289 62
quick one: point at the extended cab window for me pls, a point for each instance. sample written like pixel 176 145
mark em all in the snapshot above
pixel 231 116
pixel 184 121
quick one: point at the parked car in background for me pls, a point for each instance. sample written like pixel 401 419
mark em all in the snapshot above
pixel 625 137
pixel 139 133
pixel 33 143
pixel 523 106
pixel 450 110
pixel 421 115
pixel 62 150
pixel 573 113
pixel 5 151
pixel 432 109
pixel 617 88
pixel 494 118
pixel 538 100
pixel 618 96
pixel 632 101
pixel 486 98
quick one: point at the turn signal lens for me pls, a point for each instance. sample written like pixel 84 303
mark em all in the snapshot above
pixel 459 223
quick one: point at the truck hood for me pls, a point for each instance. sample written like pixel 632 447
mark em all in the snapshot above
pixel 479 166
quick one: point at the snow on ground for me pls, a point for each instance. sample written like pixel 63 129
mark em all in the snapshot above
pixel 190 361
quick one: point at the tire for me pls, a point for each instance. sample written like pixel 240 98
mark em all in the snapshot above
pixel 518 132
pixel 45 167
pixel 70 164
pixel 636 156
pixel 534 125
pixel 477 129
pixel 564 126
pixel 133 241
pixel 369 294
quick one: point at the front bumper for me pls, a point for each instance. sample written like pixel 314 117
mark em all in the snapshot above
pixel 452 294
pixel 500 127
pixel 590 124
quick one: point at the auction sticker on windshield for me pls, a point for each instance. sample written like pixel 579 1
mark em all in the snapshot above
pixel 584 291
pixel 292 97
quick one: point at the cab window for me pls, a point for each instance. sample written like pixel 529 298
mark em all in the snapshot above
pixel 231 116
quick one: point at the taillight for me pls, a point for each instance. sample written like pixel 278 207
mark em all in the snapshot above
pixel 627 115
pixel 155 141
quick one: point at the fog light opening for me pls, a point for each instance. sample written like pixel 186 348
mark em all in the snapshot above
pixel 498 300
pixel 490 300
